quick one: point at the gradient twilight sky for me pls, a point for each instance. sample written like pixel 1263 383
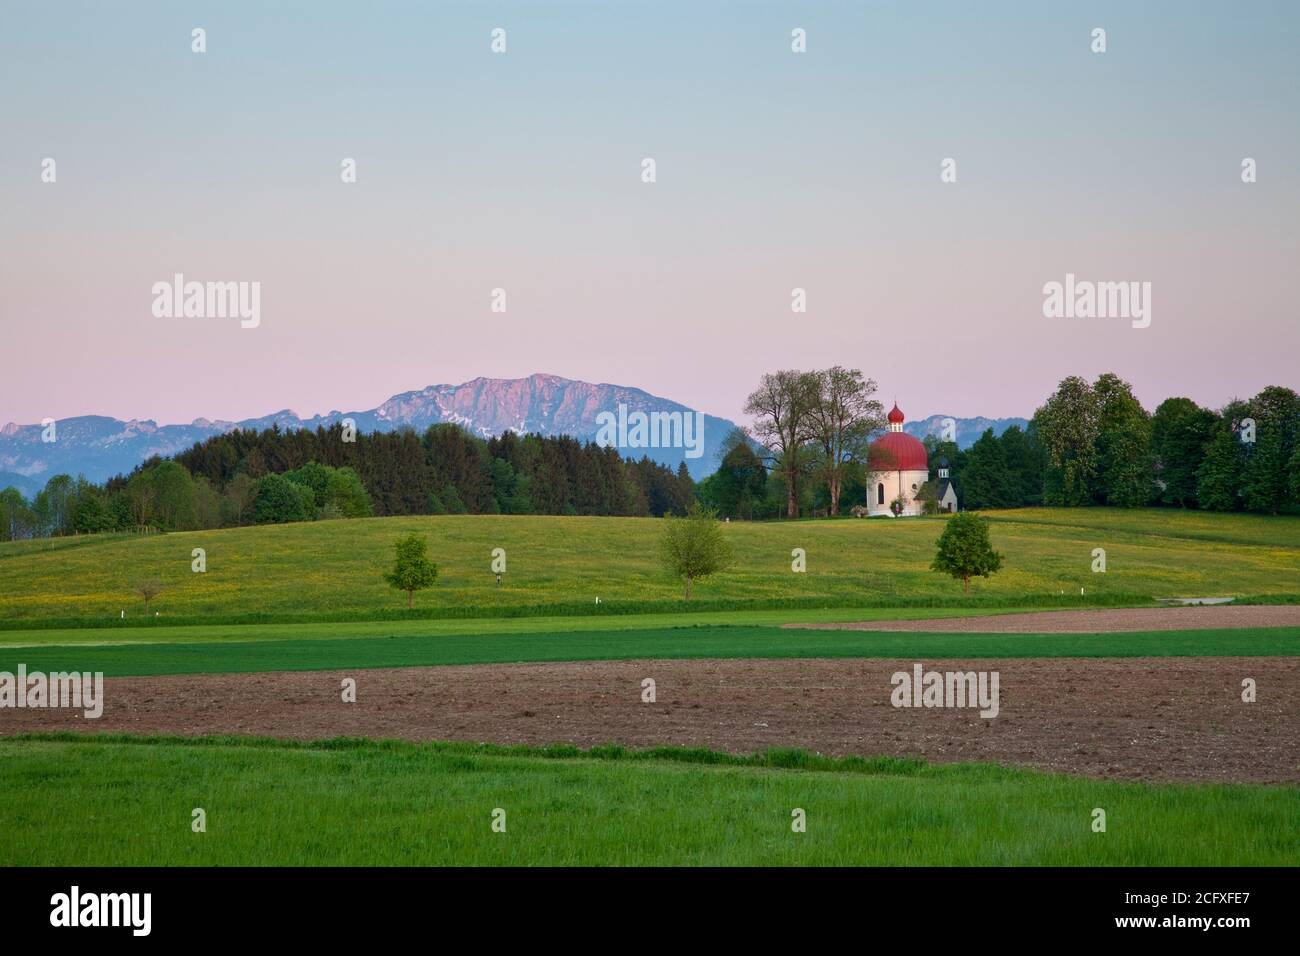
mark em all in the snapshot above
pixel 775 170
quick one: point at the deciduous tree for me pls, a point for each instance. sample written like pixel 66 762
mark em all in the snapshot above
pixel 964 550
pixel 412 570
pixel 694 547
pixel 842 417
pixel 1124 463
pixel 148 589
pixel 782 411
pixel 1067 426
pixel 1219 477
pixel 1181 432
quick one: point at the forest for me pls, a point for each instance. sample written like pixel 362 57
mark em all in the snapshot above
pixel 272 476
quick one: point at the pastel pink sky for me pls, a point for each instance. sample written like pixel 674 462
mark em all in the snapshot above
pixel 521 171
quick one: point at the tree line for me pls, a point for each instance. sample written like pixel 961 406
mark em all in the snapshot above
pixel 1089 443
pixel 164 495
pixel 250 476
pixel 806 454
pixel 1102 447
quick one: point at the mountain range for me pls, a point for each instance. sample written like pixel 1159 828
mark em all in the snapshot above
pixel 100 447
pixel 968 430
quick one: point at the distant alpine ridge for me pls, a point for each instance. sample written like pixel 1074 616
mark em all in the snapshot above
pixel 968 430
pixel 100 447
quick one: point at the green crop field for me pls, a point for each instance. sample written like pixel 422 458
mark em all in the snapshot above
pixel 680 643
pixel 150 631
pixel 357 803
pixel 332 570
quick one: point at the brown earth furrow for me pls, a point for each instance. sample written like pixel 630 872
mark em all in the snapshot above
pixel 1166 719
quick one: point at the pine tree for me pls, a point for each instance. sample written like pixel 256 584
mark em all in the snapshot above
pixel 1024 458
pixel 986 480
pixel 451 500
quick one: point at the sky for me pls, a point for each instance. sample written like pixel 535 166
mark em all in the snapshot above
pixel 522 171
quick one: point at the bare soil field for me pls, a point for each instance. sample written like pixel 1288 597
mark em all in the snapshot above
pixel 1096 621
pixel 1159 719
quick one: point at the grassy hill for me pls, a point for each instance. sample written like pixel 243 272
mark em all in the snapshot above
pixel 333 569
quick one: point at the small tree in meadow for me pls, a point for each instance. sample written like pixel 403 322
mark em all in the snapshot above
pixel 694 546
pixel 412 570
pixel 148 589
pixel 965 551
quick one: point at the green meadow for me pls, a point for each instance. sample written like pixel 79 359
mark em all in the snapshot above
pixel 332 570
pixel 363 803
pixel 312 596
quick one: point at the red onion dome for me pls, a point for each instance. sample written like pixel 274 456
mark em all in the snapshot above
pixel 897 451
